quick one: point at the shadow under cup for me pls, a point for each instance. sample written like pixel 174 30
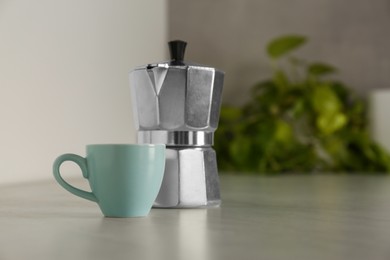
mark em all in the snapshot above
pixel 124 178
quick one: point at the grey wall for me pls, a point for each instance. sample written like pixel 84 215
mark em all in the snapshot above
pixel 64 77
pixel 231 35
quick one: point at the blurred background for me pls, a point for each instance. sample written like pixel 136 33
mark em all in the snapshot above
pixel 232 35
pixel 64 64
pixel 262 130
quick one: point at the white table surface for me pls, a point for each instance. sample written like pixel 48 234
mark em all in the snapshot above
pixel 285 217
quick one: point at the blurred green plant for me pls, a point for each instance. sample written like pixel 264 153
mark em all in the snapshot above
pixel 299 120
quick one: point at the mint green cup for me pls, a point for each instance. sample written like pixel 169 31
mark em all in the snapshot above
pixel 124 178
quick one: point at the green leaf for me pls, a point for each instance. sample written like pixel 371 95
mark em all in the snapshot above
pixel 283 45
pixel 328 123
pixel 320 69
pixel 298 107
pixel 283 132
pixel 325 101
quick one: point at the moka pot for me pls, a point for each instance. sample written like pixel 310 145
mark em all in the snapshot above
pixel 177 103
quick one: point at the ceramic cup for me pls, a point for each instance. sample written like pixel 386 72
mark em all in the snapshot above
pixel 124 178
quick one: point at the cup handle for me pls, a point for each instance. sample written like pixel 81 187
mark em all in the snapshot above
pixel 82 163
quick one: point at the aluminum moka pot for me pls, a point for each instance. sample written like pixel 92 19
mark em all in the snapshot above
pixel 177 103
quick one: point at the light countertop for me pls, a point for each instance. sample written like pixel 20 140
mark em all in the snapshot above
pixel 286 217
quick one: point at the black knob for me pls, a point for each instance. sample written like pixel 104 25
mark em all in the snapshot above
pixel 177 49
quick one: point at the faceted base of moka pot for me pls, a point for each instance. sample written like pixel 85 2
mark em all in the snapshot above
pixel 190 179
